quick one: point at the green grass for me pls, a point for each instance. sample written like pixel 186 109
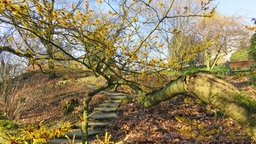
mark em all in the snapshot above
pixel 221 70
pixel 240 55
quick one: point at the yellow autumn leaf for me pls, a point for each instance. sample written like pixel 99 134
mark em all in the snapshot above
pixel 160 4
pixel 134 19
pixel 99 1
pixel 187 100
pixel 179 119
pixel 161 45
pixel 10 39
pixel 1 7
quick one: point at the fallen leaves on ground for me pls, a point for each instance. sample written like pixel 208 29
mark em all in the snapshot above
pixel 177 121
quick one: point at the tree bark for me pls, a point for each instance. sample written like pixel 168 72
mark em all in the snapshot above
pixel 212 90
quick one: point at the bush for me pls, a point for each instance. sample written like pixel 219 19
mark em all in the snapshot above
pixel 6 123
pixel 253 47
pixel 70 106
pixel 252 77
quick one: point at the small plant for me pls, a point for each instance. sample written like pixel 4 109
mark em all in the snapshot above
pixel 7 124
pixel 106 139
pixel 71 141
pixel 70 106
pixel 3 135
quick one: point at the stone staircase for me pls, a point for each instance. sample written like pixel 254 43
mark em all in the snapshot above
pixel 102 115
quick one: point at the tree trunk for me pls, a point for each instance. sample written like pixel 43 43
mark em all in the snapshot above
pixel 212 90
pixel 51 64
pixel 85 117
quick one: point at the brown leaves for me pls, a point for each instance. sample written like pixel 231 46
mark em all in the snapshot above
pixel 159 124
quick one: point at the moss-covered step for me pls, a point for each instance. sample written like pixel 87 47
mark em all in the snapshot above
pixel 106 109
pixel 118 97
pixel 78 133
pixel 63 141
pixel 103 116
pixel 78 136
pixel 98 124
pixel 108 105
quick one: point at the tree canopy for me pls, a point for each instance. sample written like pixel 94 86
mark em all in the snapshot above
pixel 106 37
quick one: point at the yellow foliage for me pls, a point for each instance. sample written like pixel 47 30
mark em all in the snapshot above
pixel 134 19
pixel 252 28
pixel 161 45
pixel 188 100
pixel 160 4
pixel 10 39
pixel 39 134
pixel 99 1
pixel 106 140
pixel 1 7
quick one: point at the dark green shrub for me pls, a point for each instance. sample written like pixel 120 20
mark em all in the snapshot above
pixel 252 77
pixel 7 124
pixel 253 47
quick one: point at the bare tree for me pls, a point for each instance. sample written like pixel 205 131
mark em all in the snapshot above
pixel 224 34
pixel 10 67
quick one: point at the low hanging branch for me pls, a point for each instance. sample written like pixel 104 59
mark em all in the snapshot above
pixel 212 90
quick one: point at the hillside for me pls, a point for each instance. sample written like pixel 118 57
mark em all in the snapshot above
pixel 183 119
pixel 37 98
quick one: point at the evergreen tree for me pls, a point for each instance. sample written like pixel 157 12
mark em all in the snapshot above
pixel 253 47
pixel 253 44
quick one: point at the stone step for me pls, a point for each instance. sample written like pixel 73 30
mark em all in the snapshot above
pixel 113 101
pixel 92 125
pixel 78 133
pixel 114 94
pixel 106 109
pixel 117 96
pixel 108 105
pixel 78 137
pixel 63 141
pixel 98 124
pixel 103 116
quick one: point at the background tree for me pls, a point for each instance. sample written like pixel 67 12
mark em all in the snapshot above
pixel 36 21
pixel 252 47
pixel 10 67
pixel 182 44
pixel 226 34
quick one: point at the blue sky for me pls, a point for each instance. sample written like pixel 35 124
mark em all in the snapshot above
pixel 244 8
